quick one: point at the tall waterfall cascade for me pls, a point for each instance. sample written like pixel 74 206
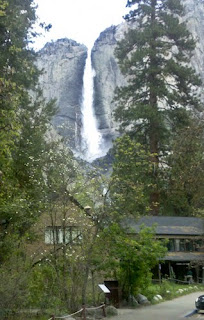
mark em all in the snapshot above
pixel 92 140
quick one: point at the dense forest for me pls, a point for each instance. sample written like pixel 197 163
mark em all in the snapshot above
pixel 57 212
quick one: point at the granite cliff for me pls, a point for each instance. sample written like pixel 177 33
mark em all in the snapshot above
pixel 64 62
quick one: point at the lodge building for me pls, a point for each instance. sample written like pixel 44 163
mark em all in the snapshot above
pixel 185 245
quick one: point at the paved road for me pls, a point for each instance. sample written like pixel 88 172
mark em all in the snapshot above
pixel 169 310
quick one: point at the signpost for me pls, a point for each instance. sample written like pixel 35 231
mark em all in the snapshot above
pixel 104 288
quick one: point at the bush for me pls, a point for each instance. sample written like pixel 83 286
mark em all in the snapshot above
pixel 151 291
pixel 111 311
pixel 169 290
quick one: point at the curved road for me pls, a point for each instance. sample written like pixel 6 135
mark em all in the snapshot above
pixel 169 310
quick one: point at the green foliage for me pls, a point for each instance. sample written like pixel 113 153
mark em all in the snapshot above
pixel 3 5
pixel 43 288
pixel 18 74
pixel 161 92
pixel 22 197
pixel 169 290
pixel 179 177
pixel 186 178
pixel 24 121
pixel 130 259
pixel 131 182
pixel 17 69
pixel 14 276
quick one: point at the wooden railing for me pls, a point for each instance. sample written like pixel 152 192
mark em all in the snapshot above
pixel 83 312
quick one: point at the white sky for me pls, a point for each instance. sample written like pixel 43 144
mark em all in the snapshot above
pixel 80 20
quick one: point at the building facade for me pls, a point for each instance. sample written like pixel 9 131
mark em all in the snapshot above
pixel 185 245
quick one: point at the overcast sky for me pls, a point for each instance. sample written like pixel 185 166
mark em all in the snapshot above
pixel 80 20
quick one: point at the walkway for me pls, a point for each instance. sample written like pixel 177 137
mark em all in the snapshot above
pixel 169 310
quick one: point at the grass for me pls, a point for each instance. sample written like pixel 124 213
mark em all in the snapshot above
pixel 168 290
pixel 26 317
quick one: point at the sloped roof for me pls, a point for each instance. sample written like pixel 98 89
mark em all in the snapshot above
pixel 168 225
pixel 184 256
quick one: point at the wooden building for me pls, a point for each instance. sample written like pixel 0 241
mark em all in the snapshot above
pixel 185 245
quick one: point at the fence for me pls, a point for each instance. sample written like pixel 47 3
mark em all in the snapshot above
pixel 200 280
pixel 83 312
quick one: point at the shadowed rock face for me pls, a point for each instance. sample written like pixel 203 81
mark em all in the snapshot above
pixel 64 61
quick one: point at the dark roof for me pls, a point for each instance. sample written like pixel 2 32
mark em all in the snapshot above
pixel 167 225
pixel 184 256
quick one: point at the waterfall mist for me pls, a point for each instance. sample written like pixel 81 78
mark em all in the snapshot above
pixel 92 139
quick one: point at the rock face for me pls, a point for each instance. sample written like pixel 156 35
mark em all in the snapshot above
pixel 108 75
pixel 64 62
pixel 107 78
pixel 194 18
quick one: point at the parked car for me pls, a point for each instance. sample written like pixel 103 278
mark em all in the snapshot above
pixel 199 303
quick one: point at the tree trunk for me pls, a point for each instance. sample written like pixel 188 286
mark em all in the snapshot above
pixel 93 288
pixel 153 132
pixel 84 286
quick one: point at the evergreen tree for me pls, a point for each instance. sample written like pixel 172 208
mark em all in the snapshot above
pixel 17 71
pixel 130 184
pixel 185 180
pixel 24 121
pixel 162 87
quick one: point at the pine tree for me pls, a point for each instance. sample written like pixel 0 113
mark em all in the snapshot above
pixel 17 71
pixel 162 87
pixel 23 123
pixel 186 177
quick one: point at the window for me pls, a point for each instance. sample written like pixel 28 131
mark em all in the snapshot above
pixel 182 245
pixel 58 234
pixel 171 245
pixel 185 245
pixel 189 245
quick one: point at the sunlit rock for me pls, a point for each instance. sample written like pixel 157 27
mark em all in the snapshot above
pixel 107 78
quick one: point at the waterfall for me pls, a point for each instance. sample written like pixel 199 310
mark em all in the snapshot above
pixel 91 137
